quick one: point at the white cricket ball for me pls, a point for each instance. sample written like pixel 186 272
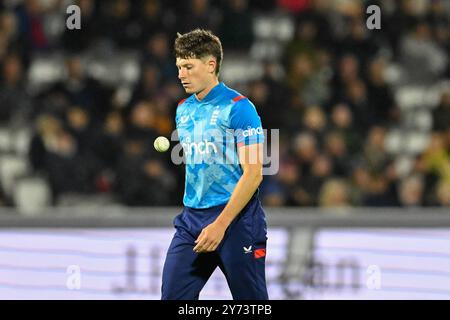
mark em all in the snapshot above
pixel 161 144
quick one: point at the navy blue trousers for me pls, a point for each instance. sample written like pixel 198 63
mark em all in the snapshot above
pixel 240 255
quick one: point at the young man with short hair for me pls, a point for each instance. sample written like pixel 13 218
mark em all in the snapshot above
pixel 222 224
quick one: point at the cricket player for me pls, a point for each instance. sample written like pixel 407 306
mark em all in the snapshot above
pixel 222 224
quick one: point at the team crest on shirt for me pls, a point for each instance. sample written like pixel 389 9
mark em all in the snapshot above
pixel 247 250
pixel 214 116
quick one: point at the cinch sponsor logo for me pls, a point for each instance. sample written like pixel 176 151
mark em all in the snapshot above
pixel 202 147
pixel 252 131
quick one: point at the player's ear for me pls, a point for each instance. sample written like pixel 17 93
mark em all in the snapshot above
pixel 212 65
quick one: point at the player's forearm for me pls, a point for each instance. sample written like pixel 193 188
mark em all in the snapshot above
pixel 245 188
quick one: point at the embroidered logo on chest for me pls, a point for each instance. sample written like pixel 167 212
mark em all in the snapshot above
pixel 214 116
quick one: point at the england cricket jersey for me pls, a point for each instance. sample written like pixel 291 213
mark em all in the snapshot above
pixel 210 131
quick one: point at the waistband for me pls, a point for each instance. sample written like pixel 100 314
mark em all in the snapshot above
pixel 220 207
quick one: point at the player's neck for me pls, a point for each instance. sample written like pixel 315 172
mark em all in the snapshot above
pixel 202 94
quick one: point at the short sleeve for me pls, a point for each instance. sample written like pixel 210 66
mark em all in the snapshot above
pixel 246 123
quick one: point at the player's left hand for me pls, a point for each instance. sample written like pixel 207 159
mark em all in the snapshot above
pixel 209 238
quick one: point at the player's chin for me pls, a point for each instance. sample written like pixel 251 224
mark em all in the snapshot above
pixel 189 90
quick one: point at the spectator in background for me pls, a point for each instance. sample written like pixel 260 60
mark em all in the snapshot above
pixel 374 153
pixel 318 14
pixel 259 93
pixel 157 53
pixel 79 126
pixel 403 19
pixel 441 114
pixel 263 6
pixel 303 42
pixel 163 125
pixel 434 162
pixel 307 193
pixel 347 71
pixel 269 93
pixel 371 189
pixel 381 101
pixel 334 194
pixel 358 40
pixel 236 30
pixel 336 149
pixel 317 90
pixel 3 198
pixel 294 6
pixel 421 57
pixel 30 16
pixel 142 123
pixel 304 80
pixel 276 94
pixel 128 184
pixel 78 88
pixel 314 121
pixel 107 147
pixel 107 143
pixel 160 182
pixel 278 190
pixel 291 117
pixel 4 45
pixel 142 179
pixel 15 102
pixel 44 139
pixel 272 194
pixel 439 21
pixel 155 18
pixel 147 86
pixel 118 26
pixel 380 193
pixel 446 138
pixel 359 184
pixel 356 97
pixel 411 191
pixel 286 181
pixel 68 171
pixel 78 40
pixel 442 193
pixel 342 123
pixel 197 13
pixel 305 150
pixel 437 14
pixel 9 35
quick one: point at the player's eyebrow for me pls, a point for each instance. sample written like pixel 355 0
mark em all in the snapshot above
pixel 186 64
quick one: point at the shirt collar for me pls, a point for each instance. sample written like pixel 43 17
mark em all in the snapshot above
pixel 213 93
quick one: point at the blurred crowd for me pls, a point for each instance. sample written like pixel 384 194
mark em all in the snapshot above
pixel 332 102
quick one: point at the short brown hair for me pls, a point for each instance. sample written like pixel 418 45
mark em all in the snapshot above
pixel 198 44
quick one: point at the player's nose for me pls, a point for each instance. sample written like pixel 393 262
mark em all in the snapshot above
pixel 181 74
